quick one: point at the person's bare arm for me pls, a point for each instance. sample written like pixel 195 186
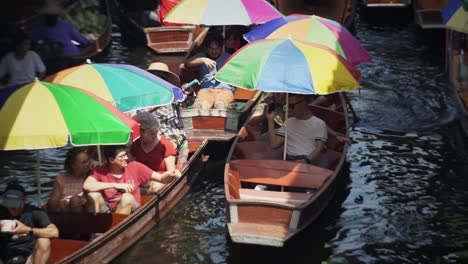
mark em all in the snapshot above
pixel 170 163
pixel 93 185
pixel 319 147
pixel 195 62
pixel 339 137
pixel 274 140
pixel 49 231
pixel 54 199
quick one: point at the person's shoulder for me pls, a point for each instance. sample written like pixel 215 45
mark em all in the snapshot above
pixel 317 120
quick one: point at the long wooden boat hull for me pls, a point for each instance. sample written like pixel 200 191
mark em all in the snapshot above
pixel 297 193
pixel 120 231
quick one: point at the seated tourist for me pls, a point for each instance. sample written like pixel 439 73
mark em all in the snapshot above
pixel 116 184
pixel 306 133
pixel 153 149
pixel 29 240
pixel 67 195
pixel 212 93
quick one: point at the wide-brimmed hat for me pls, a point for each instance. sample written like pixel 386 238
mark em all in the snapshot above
pixel 51 7
pixel 162 70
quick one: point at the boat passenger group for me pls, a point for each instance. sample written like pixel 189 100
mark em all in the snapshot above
pixel 149 163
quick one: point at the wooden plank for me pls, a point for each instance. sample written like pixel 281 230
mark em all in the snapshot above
pixel 208 122
pixel 293 198
pixel 63 248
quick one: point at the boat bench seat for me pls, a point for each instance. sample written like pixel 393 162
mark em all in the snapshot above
pixel 281 173
pixel 61 248
pixel 293 198
pixel 85 223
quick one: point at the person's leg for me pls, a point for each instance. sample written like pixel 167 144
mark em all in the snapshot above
pixel 76 204
pixel 94 202
pixel 41 251
pixel 205 99
pixel 127 202
pixel 223 97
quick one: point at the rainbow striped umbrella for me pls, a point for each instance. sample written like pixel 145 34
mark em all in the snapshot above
pixel 127 87
pixel 290 66
pixel 316 30
pixel 225 12
pixel 41 115
pixel 455 15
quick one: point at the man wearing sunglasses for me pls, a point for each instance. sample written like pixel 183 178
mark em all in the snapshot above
pixel 307 134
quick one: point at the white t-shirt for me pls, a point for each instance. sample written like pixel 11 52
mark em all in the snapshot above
pixel 21 71
pixel 302 134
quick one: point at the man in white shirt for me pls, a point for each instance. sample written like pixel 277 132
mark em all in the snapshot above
pixel 306 133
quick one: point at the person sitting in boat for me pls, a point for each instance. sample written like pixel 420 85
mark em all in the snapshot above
pixel 459 71
pixel 170 124
pixel 306 133
pixel 21 65
pixel 29 239
pixel 212 92
pixel 67 194
pixel 116 184
pixel 59 31
pixel 153 149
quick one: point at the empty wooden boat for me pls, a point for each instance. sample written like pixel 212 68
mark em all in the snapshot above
pixel 99 238
pixel 428 13
pixel 297 192
pixel 341 11
pixel 387 3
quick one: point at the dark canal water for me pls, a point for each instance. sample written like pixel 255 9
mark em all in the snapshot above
pixel 404 196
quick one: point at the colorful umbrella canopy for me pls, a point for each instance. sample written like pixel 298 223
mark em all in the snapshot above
pixel 316 30
pixel 455 15
pixel 225 12
pixel 289 66
pixel 40 115
pixel 128 87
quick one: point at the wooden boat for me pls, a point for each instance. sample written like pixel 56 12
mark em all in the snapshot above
pixel 428 13
pixel 387 3
pixel 117 231
pixel 163 39
pixel 341 11
pixel 266 217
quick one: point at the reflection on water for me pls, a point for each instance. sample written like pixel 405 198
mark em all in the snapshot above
pixel 402 201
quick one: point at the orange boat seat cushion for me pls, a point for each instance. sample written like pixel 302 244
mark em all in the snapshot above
pixel 292 198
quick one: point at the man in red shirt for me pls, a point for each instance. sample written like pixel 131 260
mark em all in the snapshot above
pixel 117 182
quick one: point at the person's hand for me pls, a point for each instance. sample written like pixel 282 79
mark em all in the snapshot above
pixel 185 90
pixel 127 187
pixel 209 63
pixel 269 115
pixel 20 228
pixel 343 139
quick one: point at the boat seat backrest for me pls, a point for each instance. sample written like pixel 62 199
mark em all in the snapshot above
pixel 292 198
pixel 281 173
pixel 85 223
pixel 256 150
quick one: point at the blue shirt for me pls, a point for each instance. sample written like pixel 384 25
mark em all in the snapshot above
pixel 207 76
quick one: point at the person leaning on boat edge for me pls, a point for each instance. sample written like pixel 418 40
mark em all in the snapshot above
pixel 30 239
pixel 116 184
pixel 212 93
pixel 307 134
pixel 154 150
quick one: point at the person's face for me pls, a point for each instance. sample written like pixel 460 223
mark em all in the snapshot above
pixel 230 41
pixel 296 105
pixel 24 46
pixel 213 50
pixel 81 164
pixel 16 211
pixel 121 159
pixel 147 134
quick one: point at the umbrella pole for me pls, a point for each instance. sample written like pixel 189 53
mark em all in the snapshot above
pixel 286 127
pixel 38 178
pixel 99 154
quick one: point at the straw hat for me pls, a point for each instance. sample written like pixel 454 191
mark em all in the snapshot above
pixel 51 7
pixel 162 70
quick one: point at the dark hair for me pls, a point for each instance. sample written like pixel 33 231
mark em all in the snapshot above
pixel 111 150
pixel 213 37
pixel 70 157
pixel 15 186
pixel 51 20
